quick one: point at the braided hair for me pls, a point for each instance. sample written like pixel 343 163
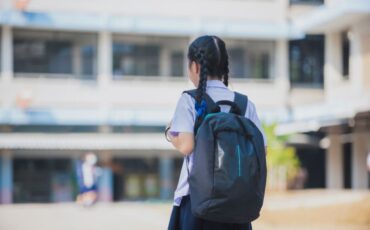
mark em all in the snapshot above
pixel 224 62
pixel 211 54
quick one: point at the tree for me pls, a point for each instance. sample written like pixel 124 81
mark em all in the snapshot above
pixel 282 162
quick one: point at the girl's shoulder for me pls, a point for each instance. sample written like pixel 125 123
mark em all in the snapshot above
pixel 251 108
pixel 186 96
pixel 186 100
pixel 251 111
pixel 185 105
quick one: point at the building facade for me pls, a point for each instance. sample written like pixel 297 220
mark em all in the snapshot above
pixel 105 76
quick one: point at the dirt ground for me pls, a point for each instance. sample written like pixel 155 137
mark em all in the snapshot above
pixel 351 211
pixel 308 209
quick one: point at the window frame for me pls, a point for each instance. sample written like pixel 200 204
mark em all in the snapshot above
pixel 308 38
pixel 44 36
pixel 167 44
pixel 252 49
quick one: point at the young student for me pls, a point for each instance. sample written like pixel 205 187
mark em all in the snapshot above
pixel 87 178
pixel 208 69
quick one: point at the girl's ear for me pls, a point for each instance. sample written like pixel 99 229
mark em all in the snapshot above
pixel 194 71
pixel 198 68
pixel 195 67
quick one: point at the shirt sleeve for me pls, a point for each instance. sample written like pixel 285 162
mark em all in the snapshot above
pixel 251 113
pixel 184 117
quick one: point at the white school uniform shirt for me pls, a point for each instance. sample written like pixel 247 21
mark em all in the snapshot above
pixel 184 118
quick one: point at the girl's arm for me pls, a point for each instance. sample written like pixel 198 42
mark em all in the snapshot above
pixel 180 133
pixel 183 142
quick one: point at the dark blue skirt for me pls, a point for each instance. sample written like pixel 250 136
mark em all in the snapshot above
pixel 183 219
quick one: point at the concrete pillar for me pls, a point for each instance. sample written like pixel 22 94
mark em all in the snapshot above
pixel 105 67
pixel 105 57
pixel 360 149
pixel 356 62
pixel 283 10
pixel 6 54
pixel 366 61
pixel 282 70
pixel 334 163
pixel 6 177
pixel 166 165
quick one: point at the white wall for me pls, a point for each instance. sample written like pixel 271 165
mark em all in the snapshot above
pixel 354 89
pixel 267 10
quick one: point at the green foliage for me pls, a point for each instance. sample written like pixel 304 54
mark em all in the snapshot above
pixel 280 155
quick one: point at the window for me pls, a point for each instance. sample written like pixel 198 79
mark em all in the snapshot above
pixel 37 56
pixel 236 62
pixel 134 59
pixel 177 64
pixel 148 56
pixel 42 180
pixel 260 64
pixel 54 54
pixel 345 55
pixel 88 53
pixel 138 179
pixel 306 61
pixel 252 60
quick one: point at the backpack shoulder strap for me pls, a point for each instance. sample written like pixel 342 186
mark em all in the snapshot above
pixel 241 101
pixel 211 107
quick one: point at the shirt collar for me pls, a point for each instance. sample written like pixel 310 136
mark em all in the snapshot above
pixel 216 83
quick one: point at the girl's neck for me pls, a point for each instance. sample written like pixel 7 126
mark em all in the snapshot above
pixel 213 78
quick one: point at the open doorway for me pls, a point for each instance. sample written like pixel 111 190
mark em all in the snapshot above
pixel 347 165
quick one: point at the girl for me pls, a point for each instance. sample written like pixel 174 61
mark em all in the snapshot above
pixel 87 178
pixel 208 70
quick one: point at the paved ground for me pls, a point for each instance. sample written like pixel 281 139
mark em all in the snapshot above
pixel 315 209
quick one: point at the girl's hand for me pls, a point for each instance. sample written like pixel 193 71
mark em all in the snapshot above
pixel 183 142
pixel 167 132
pixel 168 126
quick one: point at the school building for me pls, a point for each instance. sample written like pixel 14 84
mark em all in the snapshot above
pixel 104 76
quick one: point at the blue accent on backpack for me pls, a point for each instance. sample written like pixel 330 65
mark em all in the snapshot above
pixel 200 109
pixel 228 177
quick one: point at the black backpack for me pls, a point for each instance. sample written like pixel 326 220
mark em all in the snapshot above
pixel 228 177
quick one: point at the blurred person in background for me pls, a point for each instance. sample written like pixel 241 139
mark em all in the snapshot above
pixel 87 178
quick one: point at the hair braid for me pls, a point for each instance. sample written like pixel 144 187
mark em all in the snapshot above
pixel 226 73
pixel 201 90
